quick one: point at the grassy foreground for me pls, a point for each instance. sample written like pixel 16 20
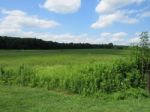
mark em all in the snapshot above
pixel 22 99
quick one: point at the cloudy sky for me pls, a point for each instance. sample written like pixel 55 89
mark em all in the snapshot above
pixel 90 21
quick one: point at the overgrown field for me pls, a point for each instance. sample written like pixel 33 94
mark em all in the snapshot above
pixel 88 72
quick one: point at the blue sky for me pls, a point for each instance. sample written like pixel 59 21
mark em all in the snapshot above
pixel 92 21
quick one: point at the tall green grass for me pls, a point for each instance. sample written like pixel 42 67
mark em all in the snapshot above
pixel 89 79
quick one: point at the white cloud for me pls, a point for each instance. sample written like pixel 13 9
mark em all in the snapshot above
pixel 112 11
pixel 62 6
pixel 116 38
pixel 107 6
pixel 16 20
pixel 134 40
pixel 109 19
pixel 144 14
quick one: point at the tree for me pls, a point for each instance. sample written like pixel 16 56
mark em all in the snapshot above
pixel 143 53
pixel 33 43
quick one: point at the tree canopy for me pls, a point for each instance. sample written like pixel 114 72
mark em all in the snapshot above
pixel 33 43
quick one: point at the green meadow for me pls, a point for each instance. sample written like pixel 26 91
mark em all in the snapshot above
pixel 59 57
pixel 98 80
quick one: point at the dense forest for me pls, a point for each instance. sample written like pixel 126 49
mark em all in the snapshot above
pixel 34 43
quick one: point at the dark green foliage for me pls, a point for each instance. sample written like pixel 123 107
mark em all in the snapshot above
pixel 5 76
pixel 33 43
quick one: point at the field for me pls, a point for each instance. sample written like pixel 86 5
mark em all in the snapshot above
pixel 70 80
pixel 22 99
pixel 59 57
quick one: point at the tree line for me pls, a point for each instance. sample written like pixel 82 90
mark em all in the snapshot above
pixel 34 43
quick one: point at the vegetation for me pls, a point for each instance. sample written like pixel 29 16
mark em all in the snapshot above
pixel 142 53
pixel 23 99
pixel 33 43
pixel 105 74
pixel 80 76
pixel 59 57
